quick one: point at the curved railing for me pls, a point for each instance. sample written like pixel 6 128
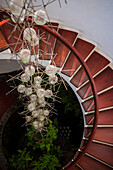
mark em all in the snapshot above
pixel 83 68
pixel 84 65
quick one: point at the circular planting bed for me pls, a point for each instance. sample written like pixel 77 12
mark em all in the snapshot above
pixel 54 147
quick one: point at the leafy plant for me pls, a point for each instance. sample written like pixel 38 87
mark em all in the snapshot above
pixel 48 162
pixel 69 101
pixel 33 138
pixel 48 137
pixel 22 160
pixel 44 142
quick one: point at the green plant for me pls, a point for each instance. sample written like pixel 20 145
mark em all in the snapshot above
pixel 22 160
pixel 33 138
pixel 56 122
pixel 48 137
pixel 69 101
pixel 43 142
pixel 48 162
